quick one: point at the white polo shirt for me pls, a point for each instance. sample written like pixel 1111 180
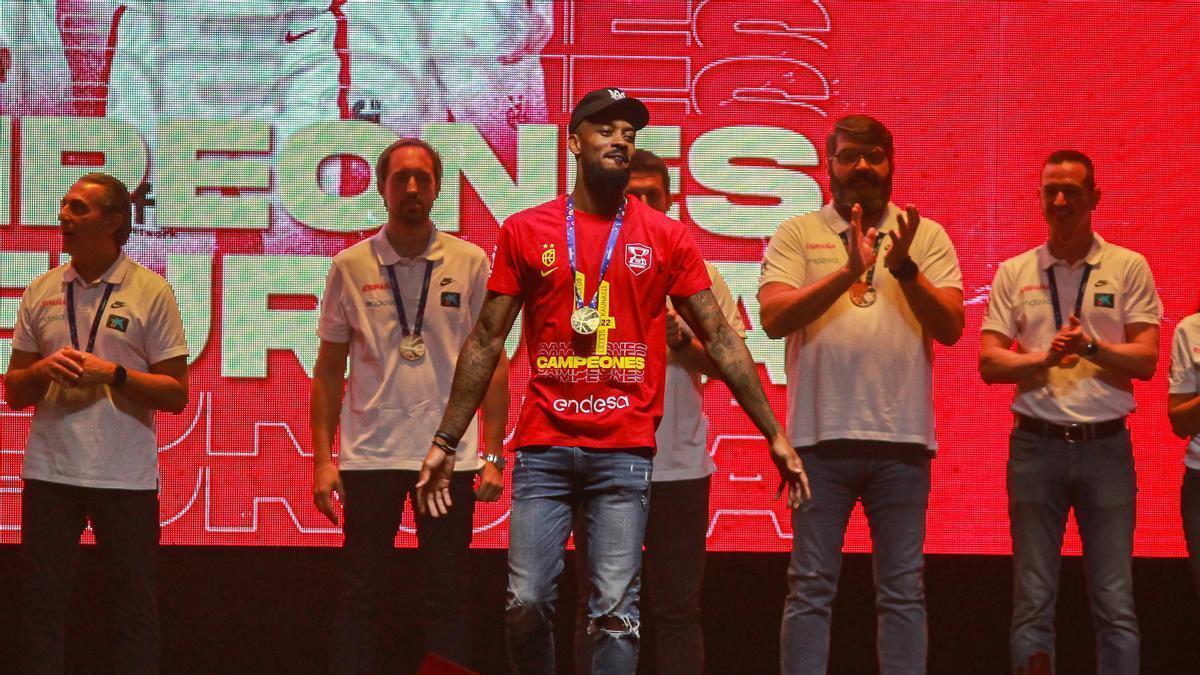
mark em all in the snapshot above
pixel 1120 291
pixel 858 372
pixel 393 406
pixel 95 436
pixel 682 435
pixel 1185 362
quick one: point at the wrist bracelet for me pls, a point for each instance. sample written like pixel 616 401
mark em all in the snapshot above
pixel 442 444
pixel 449 443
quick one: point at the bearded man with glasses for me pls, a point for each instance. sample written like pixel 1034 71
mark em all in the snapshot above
pixel 860 289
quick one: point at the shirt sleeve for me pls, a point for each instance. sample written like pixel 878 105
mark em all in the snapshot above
pixel 1182 376
pixel 939 261
pixel 478 289
pixel 1142 304
pixel 688 274
pixel 165 338
pixel 332 325
pixel 725 299
pixel 506 262
pixel 1000 317
pixel 784 261
pixel 23 338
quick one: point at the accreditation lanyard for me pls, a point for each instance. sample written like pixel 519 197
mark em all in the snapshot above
pixel 845 235
pixel 604 263
pixel 108 289
pixel 420 318
pixel 1058 318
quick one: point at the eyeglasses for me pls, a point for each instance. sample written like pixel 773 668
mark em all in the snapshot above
pixel 850 156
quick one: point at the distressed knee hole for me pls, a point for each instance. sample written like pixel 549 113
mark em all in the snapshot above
pixel 614 625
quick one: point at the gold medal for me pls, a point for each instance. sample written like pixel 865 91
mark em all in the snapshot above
pixel 412 347
pixel 585 320
pixel 862 294
pixel 1069 361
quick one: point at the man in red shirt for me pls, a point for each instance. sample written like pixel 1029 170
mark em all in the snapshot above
pixel 593 271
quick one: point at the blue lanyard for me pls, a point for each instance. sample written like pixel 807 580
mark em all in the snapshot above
pixel 1058 318
pixel 845 235
pixel 608 251
pixel 108 289
pixel 420 318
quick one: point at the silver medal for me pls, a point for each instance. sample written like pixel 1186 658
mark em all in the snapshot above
pixel 412 347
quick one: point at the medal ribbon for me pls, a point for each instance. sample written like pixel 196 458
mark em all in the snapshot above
pixel 420 318
pixel 845 235
pixel 95 322
pixel 608 251
pixel 1058 318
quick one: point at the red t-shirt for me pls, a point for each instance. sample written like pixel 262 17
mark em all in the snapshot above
pixel 581 391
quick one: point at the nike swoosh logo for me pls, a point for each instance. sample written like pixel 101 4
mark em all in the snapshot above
pixel 292 37
pixel 546 272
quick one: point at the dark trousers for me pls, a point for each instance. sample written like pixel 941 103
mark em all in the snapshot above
pixel 672 571
pixel 125 523
pixel 373 507
pixel 1190 505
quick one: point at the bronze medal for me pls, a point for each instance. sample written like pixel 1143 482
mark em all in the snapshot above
pixel 862 294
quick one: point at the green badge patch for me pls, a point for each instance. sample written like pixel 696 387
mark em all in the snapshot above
pixel 120 323
pixel 1108 300
pixel 451 299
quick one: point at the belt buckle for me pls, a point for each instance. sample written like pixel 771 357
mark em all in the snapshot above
pixel 1075 433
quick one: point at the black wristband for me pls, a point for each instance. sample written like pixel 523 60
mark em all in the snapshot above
pixel 450 443
pixel 120 375
pixel 906 271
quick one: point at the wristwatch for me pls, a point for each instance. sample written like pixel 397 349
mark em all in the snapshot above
pixel 496 460
pixel 1091 349
pixel 120 375
pixel 905 271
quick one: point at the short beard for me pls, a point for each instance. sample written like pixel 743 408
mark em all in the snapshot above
pixel 871 194
pixel 606 186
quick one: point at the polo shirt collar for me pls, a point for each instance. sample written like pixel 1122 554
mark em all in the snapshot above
pixel 1046 260
pixel 434 251
pixel 115 274
pixel 840 225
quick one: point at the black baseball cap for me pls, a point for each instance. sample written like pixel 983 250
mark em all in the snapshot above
pixel 610 99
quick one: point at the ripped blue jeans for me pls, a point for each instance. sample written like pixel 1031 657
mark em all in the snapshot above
pixel 611 488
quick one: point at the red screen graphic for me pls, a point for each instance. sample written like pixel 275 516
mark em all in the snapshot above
pixel 255 125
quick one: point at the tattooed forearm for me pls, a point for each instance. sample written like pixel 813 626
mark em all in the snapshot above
pixel 728 352
pixel 477 361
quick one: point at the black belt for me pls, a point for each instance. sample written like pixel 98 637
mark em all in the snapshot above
pixel 1071 433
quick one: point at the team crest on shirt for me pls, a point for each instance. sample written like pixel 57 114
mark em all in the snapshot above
pixel 1107 300
pixel 638 258
pixel 549 255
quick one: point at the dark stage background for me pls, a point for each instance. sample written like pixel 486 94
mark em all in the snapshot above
pixel 247 611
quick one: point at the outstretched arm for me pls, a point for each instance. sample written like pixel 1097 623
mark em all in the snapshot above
pixel 728 353
pixel 473 373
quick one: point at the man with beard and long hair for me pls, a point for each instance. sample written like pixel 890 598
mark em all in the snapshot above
pixel 593 271
pixel 860 289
